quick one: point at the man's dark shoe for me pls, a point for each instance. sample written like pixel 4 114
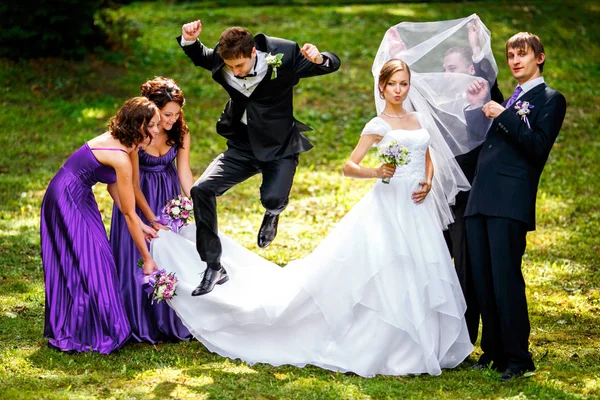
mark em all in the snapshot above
pixel 268 230
pixel 484 362
pixel 211 278
pixel 513 373
pixel 478 366
pixel 510 374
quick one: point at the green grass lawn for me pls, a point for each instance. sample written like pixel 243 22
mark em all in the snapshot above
pixel 50 107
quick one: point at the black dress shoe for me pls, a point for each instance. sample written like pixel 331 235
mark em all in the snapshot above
pixel 268 230
pixel 211 278
pixel 512 373
pixel 486 362
pixel 479 366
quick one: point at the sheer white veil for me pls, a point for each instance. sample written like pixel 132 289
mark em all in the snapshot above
pixel 441 97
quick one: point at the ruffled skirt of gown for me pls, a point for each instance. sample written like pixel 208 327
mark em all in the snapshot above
pixel 378 296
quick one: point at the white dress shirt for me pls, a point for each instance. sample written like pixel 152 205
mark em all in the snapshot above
pixel 527 86
pixel 243 85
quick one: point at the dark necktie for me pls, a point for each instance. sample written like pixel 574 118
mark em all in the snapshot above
pixel 253 74
pixel 514 96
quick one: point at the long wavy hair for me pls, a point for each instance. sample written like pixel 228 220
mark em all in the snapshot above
pixel 161 91
pixel 130 124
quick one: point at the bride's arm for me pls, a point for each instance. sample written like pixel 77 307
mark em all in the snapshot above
pixel 419 195
pixel 352 167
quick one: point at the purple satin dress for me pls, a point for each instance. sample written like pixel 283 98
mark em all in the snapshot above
pixel 153 323
pixel 84 307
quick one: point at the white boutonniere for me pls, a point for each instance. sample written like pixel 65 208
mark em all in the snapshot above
pixel 274 61
pixel 523 110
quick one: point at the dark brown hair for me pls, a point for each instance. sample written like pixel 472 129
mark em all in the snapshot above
pixel 524 41
pixel 235 42
pixel 161 91
pixel 389 69
pixel 133 115
pixel 465 53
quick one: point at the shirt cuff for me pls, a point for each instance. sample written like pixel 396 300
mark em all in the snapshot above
pixel 187 42
pixel 476 59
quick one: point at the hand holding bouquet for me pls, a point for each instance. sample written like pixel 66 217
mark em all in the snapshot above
pixel 393 153
pixel 161 285
pixel 176 213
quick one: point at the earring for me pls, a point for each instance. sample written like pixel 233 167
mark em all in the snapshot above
pixel 381 96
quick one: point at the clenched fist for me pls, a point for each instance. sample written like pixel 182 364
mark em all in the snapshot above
pixel 191 31
pixel 311 52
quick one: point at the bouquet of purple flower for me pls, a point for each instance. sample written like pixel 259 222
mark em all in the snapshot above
pixel 176 213
pixel 161 285
pixel 393 153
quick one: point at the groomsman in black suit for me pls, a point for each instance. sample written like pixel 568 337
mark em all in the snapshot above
pixel 464 60
pixel 501 206
pixel 259 74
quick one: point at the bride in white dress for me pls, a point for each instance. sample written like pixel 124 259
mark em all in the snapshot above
pixel 378 296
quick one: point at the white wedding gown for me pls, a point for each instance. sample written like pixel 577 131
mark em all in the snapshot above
pixel 379 295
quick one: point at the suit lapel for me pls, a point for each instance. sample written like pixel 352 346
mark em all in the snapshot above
pixel 530 95
pixel 265 45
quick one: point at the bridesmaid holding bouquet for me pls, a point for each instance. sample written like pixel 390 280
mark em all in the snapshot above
pixel 84 308
pixel 157 179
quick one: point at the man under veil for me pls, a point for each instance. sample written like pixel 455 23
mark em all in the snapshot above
pixel 453 99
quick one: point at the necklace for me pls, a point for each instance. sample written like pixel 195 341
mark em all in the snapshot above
pixel 395 116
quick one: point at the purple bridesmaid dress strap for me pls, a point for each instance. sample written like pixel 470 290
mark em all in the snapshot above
pixel 107 148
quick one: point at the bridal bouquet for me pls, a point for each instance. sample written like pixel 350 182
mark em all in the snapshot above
pixel 393 153
pixel 176 213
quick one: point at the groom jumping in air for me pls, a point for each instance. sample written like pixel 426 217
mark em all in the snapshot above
pixel 259 74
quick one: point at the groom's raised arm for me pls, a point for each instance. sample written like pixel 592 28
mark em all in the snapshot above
pixel 309 61
pixel 200 55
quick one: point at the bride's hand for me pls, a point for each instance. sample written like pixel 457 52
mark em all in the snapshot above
pixel 149 267
pixel 419 196
pixel 385 171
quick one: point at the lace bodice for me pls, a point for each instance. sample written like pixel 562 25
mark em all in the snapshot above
pixel 416 141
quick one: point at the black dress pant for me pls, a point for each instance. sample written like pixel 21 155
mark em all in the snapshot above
pixel 496 246
pixel 456 239
pixel 234 166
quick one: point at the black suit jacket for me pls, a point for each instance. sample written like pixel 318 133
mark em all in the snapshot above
pixel 513 156
pixel 273 132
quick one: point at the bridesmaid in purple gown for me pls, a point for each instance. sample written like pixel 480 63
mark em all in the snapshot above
pixel 84 308
pixel 159 180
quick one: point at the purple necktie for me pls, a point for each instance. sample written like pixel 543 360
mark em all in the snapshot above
pixel 514 96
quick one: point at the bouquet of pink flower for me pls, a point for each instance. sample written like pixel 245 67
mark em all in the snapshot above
pixel 161 285
pixel 176 213
pixel 393 153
